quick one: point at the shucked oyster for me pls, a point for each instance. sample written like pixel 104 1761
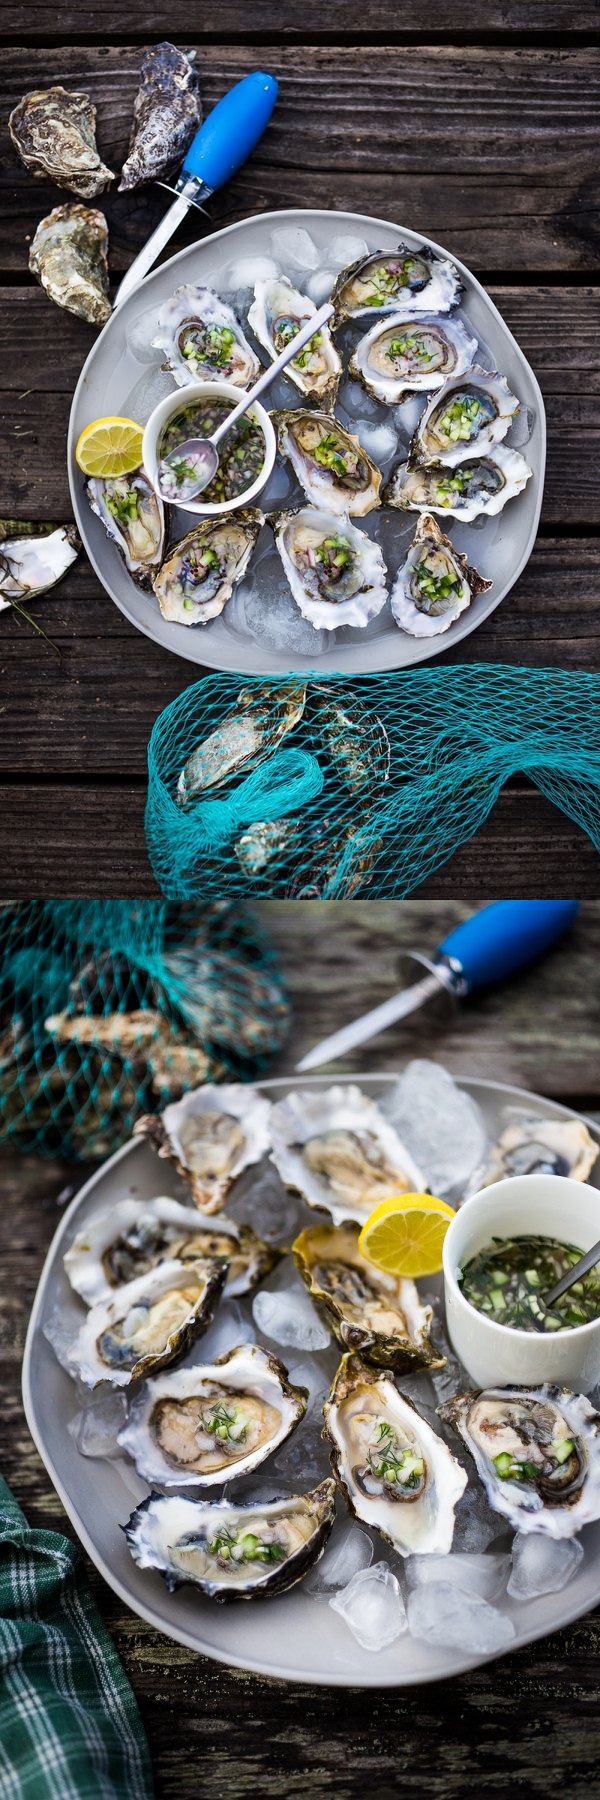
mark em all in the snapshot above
pixel 199 574
pixel 54 133
pixel 336 573
pixel 254 728
pixel 403 356
pixel 232 1552
pixel 393 1470
pixel 148 1323
pixel 276 315
pixel 540 1147
pixel 336 1148
pixel 435 584
pixel 329 462
pixel 472 413
pixel 69 256
pixel 33 558
pixel 370 1311
pixel 132 1237
pixel 166 112
pixel 199 1427
pixel 203 340
pixel 400 281
pixel 211 1135
pixel 537 1451
pixel 480 485
pixel 133 515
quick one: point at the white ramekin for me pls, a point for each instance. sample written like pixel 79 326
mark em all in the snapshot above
pixel 498 1355
pixel 184 396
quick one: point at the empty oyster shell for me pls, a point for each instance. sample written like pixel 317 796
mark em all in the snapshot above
pixel 393 1470
pixel 133 515
pixel 199 574
pixel 166 113
pixel 481 485
pixel 539 1147
pixel 148 1323
pixel 132 1237
pixel 336 1148
pixel 33 558
pixel 232 1552
pixel 254 728
pixel 371 1312
pixel 69 256
pixel 54 133
pixel 336 573
pixel 537 1451
pixel 472 413
pixel 355 738
pixel 210 1136
pixel 402 281
pixel 276 315
pixel 435 584
pixel 402 356
pixel 334 470
pixel 203 340
pixel 202 1426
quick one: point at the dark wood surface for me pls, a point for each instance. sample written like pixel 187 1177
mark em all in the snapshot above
pixel 486 135
pixel 528 1724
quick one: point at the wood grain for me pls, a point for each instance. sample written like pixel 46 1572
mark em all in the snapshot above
pixel 342 19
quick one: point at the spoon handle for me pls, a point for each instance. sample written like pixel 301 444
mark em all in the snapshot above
pixel 582 1267
pixel 287 355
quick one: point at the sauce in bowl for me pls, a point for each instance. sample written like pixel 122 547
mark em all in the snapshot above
pixel 507 1281
pixel 241 453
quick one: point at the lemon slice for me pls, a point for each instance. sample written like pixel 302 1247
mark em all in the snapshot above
pixel 405 1235
pixel 110 447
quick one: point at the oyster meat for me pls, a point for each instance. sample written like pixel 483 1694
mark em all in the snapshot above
pixel 276 315
pixel 200 1427
pixel 210 1136
pixel 481 485
pixel 540 1147
pixel 132 1237
pixel 403 356
pixel 336 573
pixel 376 1314
pixel 334 470
pixel 166 113
pixel 402 281
pixel 54 132
pixel 537 1452
pixel 354 737
pixel 472 413
pixel 69 257
pixel 199 574
pixel 133 515
pixel 435 584
pixel 33 558
pixel 256 726
pixel 148 1323
pixel 232 1552
pixel 393 1470
pixel 336 1148
pixel 203 340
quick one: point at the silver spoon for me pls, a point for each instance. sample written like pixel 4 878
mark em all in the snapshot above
pixel 204 450
pixel 580 1268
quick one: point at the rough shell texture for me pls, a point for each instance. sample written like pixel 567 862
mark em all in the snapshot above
pixel 201 1283
pixel 193 591
pixel 256 725
pixel 429 619
pixel 433 442
pixel 276 307
pixel 54 133
pixel 371 1312
pixel 166 113
pixel 186 328
pixel 210 1136
pixel 347 481
pixel 540 1146
pixel 247 1372
pixel 417 1522
pixel 355 597
pixel 335 1147
pixel 402 356
pixel 519 1500
pixel 163 1524
pixel 133 1236
pixel 482 485
pixel 139 534
pixel 69 256
pixel 30 564
pixel 429 283
pixel 355 738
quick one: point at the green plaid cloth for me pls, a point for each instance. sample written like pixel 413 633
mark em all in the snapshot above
pixel 69 1724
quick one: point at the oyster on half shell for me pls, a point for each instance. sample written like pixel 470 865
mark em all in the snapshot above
pixel 210 1136
pixel 472 412
pixel 132 1237
pixel 69 257
pixel 199 1427
pixel 376 1314
pixel 148 1322
pixel 203 340
pixel 539 1147
pixel 246 736
pixel 402 356
pixel 133 516
pixel 483 484
pixel 435 583
pixel 54 131
pixel 336 573
pixel 199 573
pixel 397 281
pixel 393 1470
pixel 331 465
pixel 232 1552
pixel 335 1147
pixel 276 315
pixel 537 1452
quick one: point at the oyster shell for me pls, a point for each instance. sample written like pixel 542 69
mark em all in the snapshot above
pixel 336 573
pixel 472 412
pixel 334 470
pixel 166 113
pixel 203 340
pixel 276 315
pixel 537 1452
pixel 232 1552
pixel 540 1147
pixel 202 1426
pixel 435 583
pixel 481 485
pixel 199 573
pixel 255 727
pixel 34 558
pixel 402 281
pixel 342 861
pixel 371 1312
pixel 132 1237
pixel 393 1470
pixel 336 1148
pixel 69 257
pixel 402 356
pixel 210 1136
pixel 54 133
pixel 133 515
pixel 354 737
pixel 148 1323
pixel 258 845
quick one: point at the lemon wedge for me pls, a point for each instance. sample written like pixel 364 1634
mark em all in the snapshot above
pixel 110 447
pixel 405 1235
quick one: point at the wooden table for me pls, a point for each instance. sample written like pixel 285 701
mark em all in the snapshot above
pixel 485 136
pixel 529 1723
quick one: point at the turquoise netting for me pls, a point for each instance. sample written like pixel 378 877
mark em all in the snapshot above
pixel 110 1008
pixel 336 787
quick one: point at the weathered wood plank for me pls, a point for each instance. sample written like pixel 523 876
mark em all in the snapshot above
pixel 342 19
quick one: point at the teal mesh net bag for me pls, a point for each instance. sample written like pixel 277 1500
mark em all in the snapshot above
pixel 332 788
pixel 110 1008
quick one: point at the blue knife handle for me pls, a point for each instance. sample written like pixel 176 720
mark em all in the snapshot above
pixel 502 937
pixel 231 130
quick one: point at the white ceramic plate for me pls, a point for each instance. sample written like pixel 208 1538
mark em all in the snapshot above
pixel 293 1636
pixel 123 375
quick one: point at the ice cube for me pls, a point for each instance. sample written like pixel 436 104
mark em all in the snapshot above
pixel 319 286
pixel 380 443
pixel 294 247
pixel 140 334
pixel 372 1607
pixel 279 488
pixel 483 1575
pixel 230 1326
pixel 311 1376
pixel 448 1154
pixel 348 1552
pixel 61 1333
pixel 357 403
pixel 542 1565
pixel 476 1524
pixel 266 1205
pixel 443 1614
pixel 95 1428
pixel 522 427
pixel 290 1318
pixel 271 615
pixel 245 271
pixel 346 249
pixel 303 1461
